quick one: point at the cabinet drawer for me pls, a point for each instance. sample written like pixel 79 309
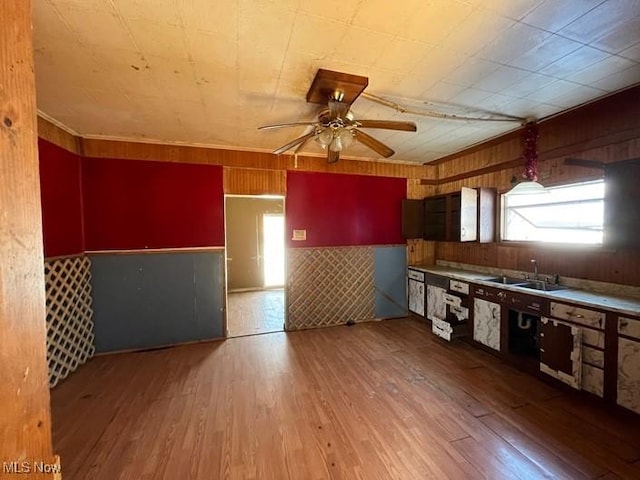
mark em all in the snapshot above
pixel 458 286
pixel 592 380
pixel 583 316
pixel 592 356
pixel 452 300
pixel 442 329
pixel 461 313
pixel 416 275
pixel 593 338
pixel 629 327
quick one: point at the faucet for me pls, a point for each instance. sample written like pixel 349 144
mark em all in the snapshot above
pixel 535 269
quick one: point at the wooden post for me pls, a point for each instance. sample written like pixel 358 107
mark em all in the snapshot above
pixel 25 423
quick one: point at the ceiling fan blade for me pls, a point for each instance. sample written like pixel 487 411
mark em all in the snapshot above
pixel 305 141
pixel 375 145
pixel 280 125
pixel 338 109
pixel 294 143
pixel 332 157
pixel 388 125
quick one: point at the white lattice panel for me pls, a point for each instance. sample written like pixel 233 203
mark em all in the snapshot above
pixel 69 316
pixel 328 286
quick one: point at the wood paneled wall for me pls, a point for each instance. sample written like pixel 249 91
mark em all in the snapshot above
pixel 606 131
pixel 251 181
pixel 25 423
pixel 244 159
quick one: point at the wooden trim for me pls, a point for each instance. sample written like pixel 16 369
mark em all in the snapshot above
pixel 53 133
pixel 565 150
pixel 93 148
pixel 64 257
pixel 155 250
pixel 478 147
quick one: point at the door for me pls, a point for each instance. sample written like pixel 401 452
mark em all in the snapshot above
pixel 561 351
pixel 486 323
pixel 436 306
pixel 416 296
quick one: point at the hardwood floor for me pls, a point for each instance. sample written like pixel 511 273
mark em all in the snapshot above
pixel 252 313
pixel 379 400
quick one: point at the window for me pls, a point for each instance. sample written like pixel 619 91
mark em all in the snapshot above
pixel 566 214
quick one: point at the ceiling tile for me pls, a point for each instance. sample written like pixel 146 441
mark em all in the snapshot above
pixel 516 41
pixel 552 15
pixel 98 28
pixel 476 30
pixel 316 36
pixel 435 20
pixel 605 17
pixel 619 80
pixel 620 38
pixel 515 9
pixel 576 60
pixel 501 79
pixel 600 70
pixel 159 40
pixel 632 53
pixel 545 53
pixel 471 70
pixel 164 12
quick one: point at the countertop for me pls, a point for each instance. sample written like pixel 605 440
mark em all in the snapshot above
pixel 624 305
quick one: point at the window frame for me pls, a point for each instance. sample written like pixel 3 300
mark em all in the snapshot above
pixel 500 215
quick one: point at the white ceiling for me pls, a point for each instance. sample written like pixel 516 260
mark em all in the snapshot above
pixel 209 72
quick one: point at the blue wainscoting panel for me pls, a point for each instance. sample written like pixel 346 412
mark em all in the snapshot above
pixel 390 281
pixel 156 299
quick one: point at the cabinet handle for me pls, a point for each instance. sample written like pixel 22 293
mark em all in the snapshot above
pixel 624 324
pixel 577 315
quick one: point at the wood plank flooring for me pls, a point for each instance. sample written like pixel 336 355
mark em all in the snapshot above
pixel 252 313
pixel 379 400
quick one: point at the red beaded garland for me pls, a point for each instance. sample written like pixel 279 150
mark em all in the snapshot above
pixel 530 152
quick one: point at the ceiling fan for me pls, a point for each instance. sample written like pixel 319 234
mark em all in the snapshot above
pixel 336 127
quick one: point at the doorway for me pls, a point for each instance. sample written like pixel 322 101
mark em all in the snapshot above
pixel 255 263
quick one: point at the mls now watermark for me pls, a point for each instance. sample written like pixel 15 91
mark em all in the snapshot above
pixel 30 467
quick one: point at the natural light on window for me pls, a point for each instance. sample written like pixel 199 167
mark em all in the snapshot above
pixel 567 214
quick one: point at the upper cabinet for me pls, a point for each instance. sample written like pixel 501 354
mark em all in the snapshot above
pixel 621 219
pixel 464 216
pixel 412 218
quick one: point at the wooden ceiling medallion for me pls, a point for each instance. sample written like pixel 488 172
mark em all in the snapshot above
pixel 326 83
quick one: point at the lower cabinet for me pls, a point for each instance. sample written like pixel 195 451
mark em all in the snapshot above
pixel 628 384
pixel 416 291
pixel 436 306
pixel 561 351
pixel 486 323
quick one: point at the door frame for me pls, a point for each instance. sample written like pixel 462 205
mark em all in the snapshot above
pixel 225 266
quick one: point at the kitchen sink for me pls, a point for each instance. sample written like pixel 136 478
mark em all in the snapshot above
pixel 542 286
pixel 507 280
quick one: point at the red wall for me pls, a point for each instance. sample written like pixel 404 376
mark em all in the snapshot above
pixel 139 204
pixel 340 210
pixel 61 194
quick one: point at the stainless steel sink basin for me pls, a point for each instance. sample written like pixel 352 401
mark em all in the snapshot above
pixel 507 280
pixel 542 286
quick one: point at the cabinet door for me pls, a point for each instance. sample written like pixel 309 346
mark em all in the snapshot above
pixel 435 218
pixel 486 323
pixel 416 297
pixel 412 218
pixel 561 351
pixel 436 306
pixel 629 374
pixel 468 215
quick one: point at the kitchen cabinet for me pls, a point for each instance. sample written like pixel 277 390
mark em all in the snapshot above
pixel 628 372
pixel 464 216
pixel 589 325
pixel 561 351
pixel 486 323
pixel 416 291
pixel 412 218
pixel 436 306
pixel 621 220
